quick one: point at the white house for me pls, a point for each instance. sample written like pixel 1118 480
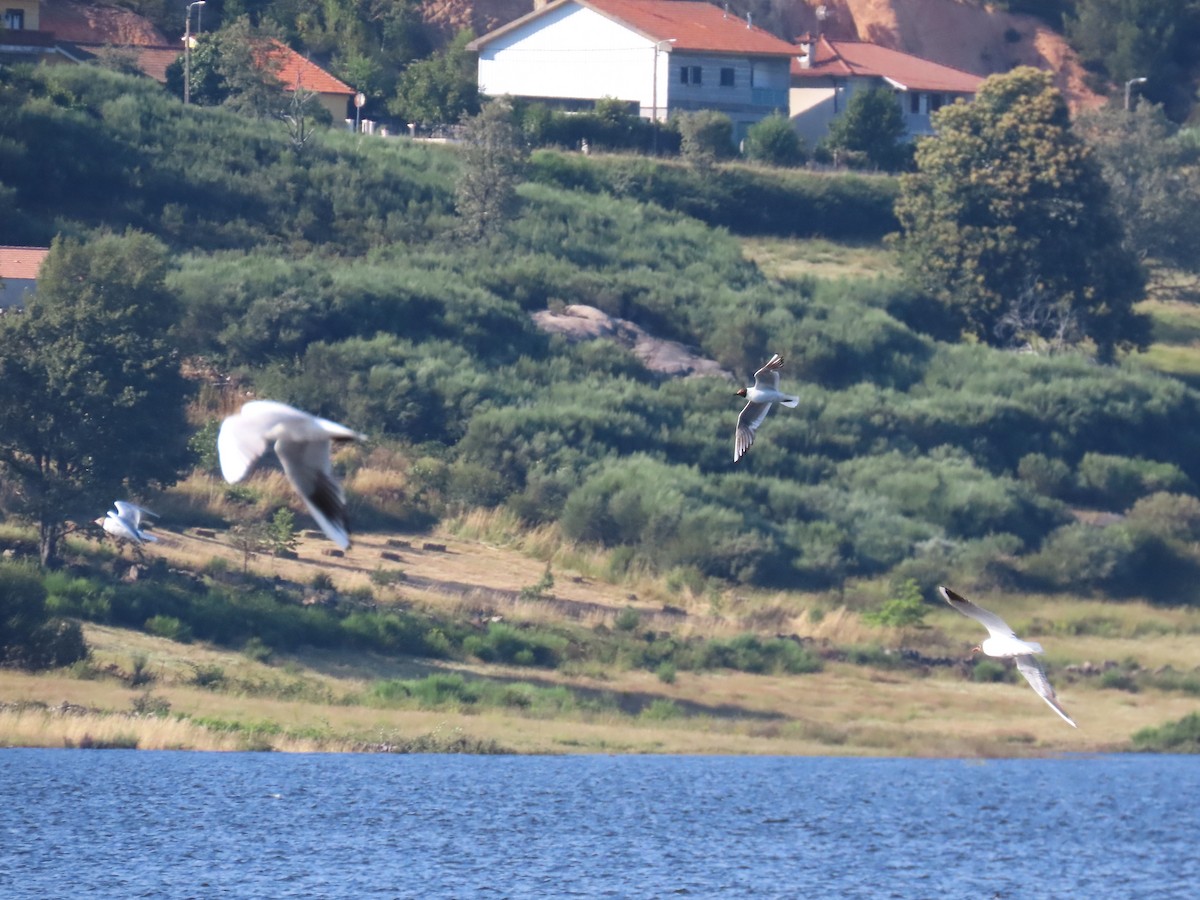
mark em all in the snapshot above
pixel 826 74
pixel 659 56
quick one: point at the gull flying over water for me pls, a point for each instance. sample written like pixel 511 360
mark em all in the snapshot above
pixel 124 522
pixel 302 443
pixel 1002 642
pixel 761 395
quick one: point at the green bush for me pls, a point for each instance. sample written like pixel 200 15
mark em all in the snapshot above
pixel 774 141
pixel 30 638
pixel 987 670
pixel 170 628
pixel 505 643
pixel 1182 736
pixel 906 607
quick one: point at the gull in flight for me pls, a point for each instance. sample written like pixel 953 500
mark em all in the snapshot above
pixel 764 392
pixel 1002 642
pixel 302 443
pixel 124 522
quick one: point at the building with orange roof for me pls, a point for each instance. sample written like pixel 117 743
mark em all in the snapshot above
pixel 55 31
pixel 826 73
pixel 659 56
pixel 18 274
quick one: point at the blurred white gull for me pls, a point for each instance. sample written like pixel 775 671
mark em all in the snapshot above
pixel 1003 642
pixel 124 522
pixel 302 442
pixel 764 392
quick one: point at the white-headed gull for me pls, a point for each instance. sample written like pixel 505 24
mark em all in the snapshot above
pixel 302 444
pixel 124 522
pixel 764 392
pixel 1002 642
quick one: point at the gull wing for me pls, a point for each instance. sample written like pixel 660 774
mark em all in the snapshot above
pixel 308 468
pixel 749 419
pixel 132 513
pixel 118 527
pixel 996 626
pixel 1029 666
pixel 767 378
pixel 240 442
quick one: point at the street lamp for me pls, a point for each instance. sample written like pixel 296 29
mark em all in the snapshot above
pixel 654 89
pixel 187 49
pixel 1128 85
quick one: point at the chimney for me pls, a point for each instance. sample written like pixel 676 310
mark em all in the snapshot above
pixel 806 49
pixel 749 24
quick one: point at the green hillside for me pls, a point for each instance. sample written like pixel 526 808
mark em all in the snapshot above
pixel 329 276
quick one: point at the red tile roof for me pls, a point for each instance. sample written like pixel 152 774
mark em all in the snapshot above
pixel 293 69
pixel 154 60
pixel 21 262
pixel 691 24
pixel 842 59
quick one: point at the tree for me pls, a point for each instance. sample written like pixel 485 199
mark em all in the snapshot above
pixel 1153 39
pixel 232 67
pixel 1008 218
pixel 493 159
pixel 871 128
pixel 439 90
pixel 1154 182
pixel 705 137
pixel 774 141
pixel 94 397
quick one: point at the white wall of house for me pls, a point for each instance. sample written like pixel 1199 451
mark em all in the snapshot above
pixel 575 53
pixel 813 108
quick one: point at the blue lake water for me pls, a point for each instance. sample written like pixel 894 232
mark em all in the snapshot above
pixel 162 824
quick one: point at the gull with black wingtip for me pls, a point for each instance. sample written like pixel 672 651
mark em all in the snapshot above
pixel 760 395
pixel 1003 643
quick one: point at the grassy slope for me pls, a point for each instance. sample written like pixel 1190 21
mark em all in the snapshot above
pixel 295 702
pixel 308 701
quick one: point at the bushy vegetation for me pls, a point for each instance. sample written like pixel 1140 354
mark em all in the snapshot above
pixel 1182 736
pixel 32 636
pixel 333 281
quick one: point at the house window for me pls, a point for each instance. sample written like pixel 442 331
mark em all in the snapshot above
pixel 14 19
pixel 914 102
pixel 935 102
pixel 689 75
pixel 726 77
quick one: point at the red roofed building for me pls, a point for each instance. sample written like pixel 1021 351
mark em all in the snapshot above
pixel 18 273
pixel 70 31
pixel 659 56
pixel 826 74
pixel 294 71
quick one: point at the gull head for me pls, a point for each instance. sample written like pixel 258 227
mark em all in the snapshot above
pixel 740 392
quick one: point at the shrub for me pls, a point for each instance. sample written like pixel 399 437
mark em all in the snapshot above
pixel 661 710
pixel 506 644
pixel 1115 482
pixel 627 619
pixel 1182 736
pixel 170 628
pixel 705 137
pixel 774 141
pixel 988 670
pixel 29 637
pixel 905 608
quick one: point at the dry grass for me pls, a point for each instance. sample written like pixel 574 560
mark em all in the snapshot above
pixel 307 701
